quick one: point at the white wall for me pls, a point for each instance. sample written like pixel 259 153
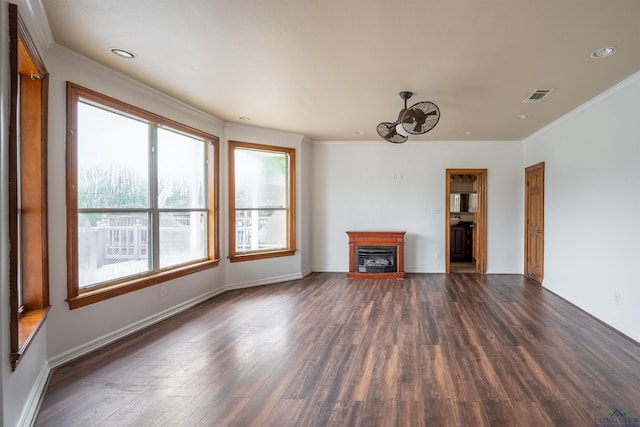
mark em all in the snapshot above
pixel 381 186
pixel 72 332
pixel 24 387
pixel 259 272
pixel 592 160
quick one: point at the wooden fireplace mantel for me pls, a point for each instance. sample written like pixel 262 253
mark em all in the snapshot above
pixel 376 238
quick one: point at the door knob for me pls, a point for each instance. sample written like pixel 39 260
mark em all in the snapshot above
pixel 539 231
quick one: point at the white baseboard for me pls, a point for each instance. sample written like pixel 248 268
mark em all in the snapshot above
pixel 337 269
pixel 32 405
pixel 261 282
pixel 93 345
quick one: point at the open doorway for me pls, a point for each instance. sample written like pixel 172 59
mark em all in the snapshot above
pixel 466 221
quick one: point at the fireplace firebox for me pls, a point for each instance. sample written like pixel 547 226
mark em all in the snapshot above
pixel 376 259
pixel 376 254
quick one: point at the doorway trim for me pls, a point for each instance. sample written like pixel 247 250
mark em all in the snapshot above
pixel 480 218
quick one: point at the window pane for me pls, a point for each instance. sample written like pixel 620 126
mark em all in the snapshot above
pixel 181 171
pixel 260 179
pixel 113 160
pixel 182 237
pixel 261 230
pixel 112 246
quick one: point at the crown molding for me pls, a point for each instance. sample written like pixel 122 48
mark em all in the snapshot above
pixel 120 80
pixel 35 17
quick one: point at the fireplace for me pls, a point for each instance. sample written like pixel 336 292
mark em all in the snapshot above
pixel 376 259
pixel 376 254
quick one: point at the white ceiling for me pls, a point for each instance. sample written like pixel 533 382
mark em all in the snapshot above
pixel 331 68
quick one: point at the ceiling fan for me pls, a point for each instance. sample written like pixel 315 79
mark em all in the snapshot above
pixel 418 119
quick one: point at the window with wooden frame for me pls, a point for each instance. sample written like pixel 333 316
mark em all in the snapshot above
pixel 261 201
pixel 28 260
pixel 142 198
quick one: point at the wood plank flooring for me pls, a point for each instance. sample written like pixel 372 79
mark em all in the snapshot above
pixel 430 350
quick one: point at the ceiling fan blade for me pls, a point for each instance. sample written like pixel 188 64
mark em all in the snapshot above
pixel 385 130
pixel 388 132
pixel 406 116
pixel 397 138
pixel 409 117
pixel 419 115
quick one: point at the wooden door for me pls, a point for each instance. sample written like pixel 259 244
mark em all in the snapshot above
pixel 534 222
pixel 476 256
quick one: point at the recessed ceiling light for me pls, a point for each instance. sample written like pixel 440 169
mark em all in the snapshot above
pixel 466 132
pixel 244 118
pixel 603 52
pixel 522 116
pixel 122 53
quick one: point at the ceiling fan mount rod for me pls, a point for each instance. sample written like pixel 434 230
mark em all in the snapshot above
pixel 405 95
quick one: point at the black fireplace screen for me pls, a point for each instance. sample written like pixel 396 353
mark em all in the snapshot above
pixel 376 259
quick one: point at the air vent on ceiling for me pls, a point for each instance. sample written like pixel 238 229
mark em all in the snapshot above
pixel 537 95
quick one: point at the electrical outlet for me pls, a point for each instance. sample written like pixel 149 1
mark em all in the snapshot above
pixel 163 291
pixel 616 297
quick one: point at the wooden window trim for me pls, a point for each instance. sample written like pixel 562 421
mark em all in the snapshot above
pixel 28 245
pixel 77 298
pixel 291 211
pixel 103 293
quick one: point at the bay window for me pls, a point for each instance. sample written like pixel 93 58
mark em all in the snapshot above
pixel 262 201
pixel 142 198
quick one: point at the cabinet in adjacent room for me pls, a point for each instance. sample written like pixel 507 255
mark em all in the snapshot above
pixel 461 245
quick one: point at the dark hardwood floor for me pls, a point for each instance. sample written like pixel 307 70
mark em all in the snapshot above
pixel 430 350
